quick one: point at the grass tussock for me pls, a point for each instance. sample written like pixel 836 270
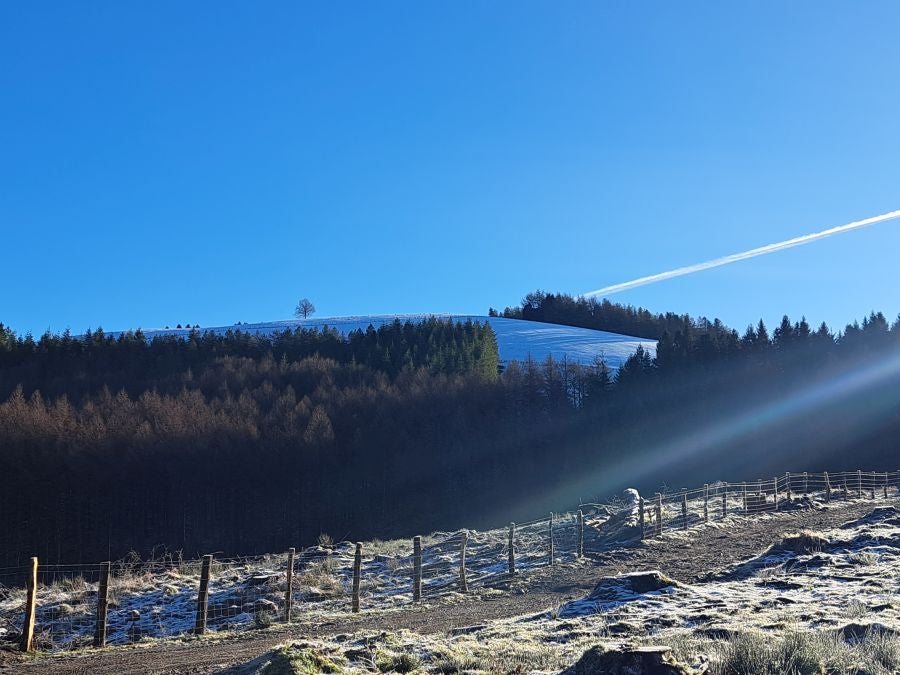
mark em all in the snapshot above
pixel 72 590
pixel 320 579
pixel 495 655
pixel 294 660
pixel 755 654
pixel 864 558
pixel 857 609
pixel 387 662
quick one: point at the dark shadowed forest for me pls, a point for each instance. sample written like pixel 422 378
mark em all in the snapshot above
pixel 244 444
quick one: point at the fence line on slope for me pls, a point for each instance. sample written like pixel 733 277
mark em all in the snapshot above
pixel 66 607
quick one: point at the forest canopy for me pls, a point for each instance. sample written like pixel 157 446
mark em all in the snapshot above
pixel 246 444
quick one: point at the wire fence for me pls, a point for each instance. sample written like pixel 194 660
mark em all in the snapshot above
pixel 685 508
pixel 131 600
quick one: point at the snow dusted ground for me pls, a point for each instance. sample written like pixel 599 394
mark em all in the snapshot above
pixel 814 603
pixel 158 599
pixel 843 582
pixel 838 577
pixel 847 574
pixel 838 586
pixel 516 339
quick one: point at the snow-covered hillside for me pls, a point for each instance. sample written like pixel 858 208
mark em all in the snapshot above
pixel 516 339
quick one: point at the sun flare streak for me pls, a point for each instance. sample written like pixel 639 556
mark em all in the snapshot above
pixel 631 469
pixel 846 385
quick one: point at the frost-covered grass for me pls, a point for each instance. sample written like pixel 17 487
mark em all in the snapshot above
pixel 157 598
pixel 810 581
pixel 816 602
pixel 795 652
pixel 788 652
pixel 807 582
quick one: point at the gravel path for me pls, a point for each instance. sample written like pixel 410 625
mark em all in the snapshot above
pixel 687 557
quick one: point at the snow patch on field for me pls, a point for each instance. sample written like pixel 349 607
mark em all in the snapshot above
pixel 855 576
pixel 835 606
pixel 159 599
pixel 516 339
pixel 842 581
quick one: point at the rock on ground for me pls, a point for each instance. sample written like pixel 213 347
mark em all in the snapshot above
pixel 610 589
pixel 619 589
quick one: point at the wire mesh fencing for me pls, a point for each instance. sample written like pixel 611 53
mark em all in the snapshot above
pixel 12 603
pixel 132 600
pixel 686 508
pixel 65 614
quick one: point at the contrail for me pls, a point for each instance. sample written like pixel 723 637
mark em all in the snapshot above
pixel 737 257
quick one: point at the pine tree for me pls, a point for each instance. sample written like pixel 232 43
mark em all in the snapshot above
pixel 762 335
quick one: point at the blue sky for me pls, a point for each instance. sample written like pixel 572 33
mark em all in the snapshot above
pixel 166 163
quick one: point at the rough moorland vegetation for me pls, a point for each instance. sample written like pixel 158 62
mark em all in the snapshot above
pixel 815 603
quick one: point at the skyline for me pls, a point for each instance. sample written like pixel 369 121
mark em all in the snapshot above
pixel 208 164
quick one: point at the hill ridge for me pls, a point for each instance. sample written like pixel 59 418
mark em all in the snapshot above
pixel 516 338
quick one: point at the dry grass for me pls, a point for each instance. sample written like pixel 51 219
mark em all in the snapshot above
pixel 66 590
pixel 15 596
pixel 791 652
pixel 320 578
pixel 864 558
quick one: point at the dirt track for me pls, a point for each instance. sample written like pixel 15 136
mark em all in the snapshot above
pixel 705 550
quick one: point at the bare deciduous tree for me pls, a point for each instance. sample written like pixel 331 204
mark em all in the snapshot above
pixel 304 309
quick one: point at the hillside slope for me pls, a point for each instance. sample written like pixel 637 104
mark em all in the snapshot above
pixel 549 617
pixel 516 339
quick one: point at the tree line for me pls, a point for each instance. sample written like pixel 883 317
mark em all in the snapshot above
pixel 76 366
pixel 582 312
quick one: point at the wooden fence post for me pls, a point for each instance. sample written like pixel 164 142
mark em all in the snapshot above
pixel 787 485
pixel 641 516
pixel 579 543
pixel 873 484
pixel 417 568
pixel 203 595
pixel 27 642
pixel 102 605
pixel 289 591
pixel 744 492
pixel 512 549
pixel 805 483
pixel 725 501
pixel 658 514
pixel 463 583
pixel 827 488
pixel 775 483
pixel 706 502
pixel 684 510
pixel 885 484
pixel 550 537
pixel 357 576
pixel 859 482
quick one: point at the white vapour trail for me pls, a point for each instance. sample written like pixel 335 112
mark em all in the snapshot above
pixel 737 257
